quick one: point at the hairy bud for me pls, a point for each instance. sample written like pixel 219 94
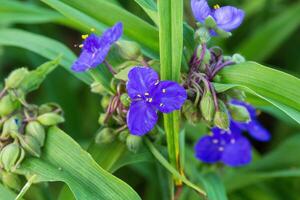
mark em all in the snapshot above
pixel 239 113
pixel 11 127
pixel 207 106
pixel 10 155
pixel 129 50
pixel 31 145
pixel 15 78
pixel 36 130
pixel 105 101
pixel 123 135
pixel 11 180
pixel 125 100
pixel 50 119
pixel 190 112
pixel 221 119
pixel 105 135
pixel 133 143
pixel 8 105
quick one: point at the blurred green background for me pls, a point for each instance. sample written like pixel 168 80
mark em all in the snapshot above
pixel 269 35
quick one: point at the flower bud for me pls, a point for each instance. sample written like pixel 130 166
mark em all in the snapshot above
pixel 207 106
pixel 207 56
pixel 11 180
pixel 36 130
pixel 97 88
pixel 129 50
pixel 123 135
pixel 238 58
pixel 9 156
pixel 190 112
pixel 48 107
pixel 133 143
pixel 203 35
pixel 31 145
pixel 11 127
pixel 239 113
pixel 50 119
pixel 125 100
pixel 15 78
pixel 8 105
pixel 105 136
pixel 105 101
pixel 221 119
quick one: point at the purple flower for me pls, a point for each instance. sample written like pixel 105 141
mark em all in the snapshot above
pixel 226 18
pixel 149 95
pixel 95 48
pixel 231 147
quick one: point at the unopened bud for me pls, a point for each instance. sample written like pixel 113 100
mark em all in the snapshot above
pixel 10 156
pixel 15 78
pixel 190 112
pixel 36 130
pixel 48 107
pixel 221 119
pixel 8 105
pixel 105 101
pixel 203 35
pixel 31 145
pixel 206 57
pixel 11 127
pixel 125 100
pixel 97 88
pixel 238 58
pixel 133 143
pixel 50 119
pixel 11 180
pixel 207 106
pixel 105 136
pixel 129 50
pixel 239 113
pixel 123 135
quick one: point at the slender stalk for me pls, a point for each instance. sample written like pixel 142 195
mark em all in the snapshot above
pixel 26 187
pixel 110 67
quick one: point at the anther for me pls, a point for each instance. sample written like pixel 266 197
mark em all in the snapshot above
pixel 84 36
pixel 157 82
pixel 93 29
pixel 163 90
pixel 161 104
pixel 146 94
pixel 216 6
pixel 139 95
pixel 80 46
pixel 221 148
pixel 215 141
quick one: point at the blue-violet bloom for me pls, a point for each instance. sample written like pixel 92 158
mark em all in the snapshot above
pixel 95 48
pixel 148 96
pixel 230 146
pixel 227 18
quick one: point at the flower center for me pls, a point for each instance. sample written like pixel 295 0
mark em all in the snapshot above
pixel 216 7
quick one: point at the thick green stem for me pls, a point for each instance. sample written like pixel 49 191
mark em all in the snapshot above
pixel 171 42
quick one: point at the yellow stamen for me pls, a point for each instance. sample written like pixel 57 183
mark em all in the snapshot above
pixel 80 46
pixel 216 6
pixel 84 36
pixel 93 29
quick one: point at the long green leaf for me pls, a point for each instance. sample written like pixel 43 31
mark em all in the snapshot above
pixel 171 44
pixel 150 8
pixel 213 186
pixel 64 160
pixel 279 89
pixel 6 194
pixel 268 37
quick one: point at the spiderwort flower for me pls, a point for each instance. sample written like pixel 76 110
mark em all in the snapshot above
pixel 149 95
pixel 227 18
pixel 95 48
pixel 230 146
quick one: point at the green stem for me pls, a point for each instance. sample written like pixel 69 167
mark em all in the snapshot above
pixel 172 170
pixel 26 187
pixel 171 44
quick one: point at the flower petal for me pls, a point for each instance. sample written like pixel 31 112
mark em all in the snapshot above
pixel 237 153
pixel 141 117
pixel 168 96
pixel 112 34
pixel 257 131
pixel 88 60
pixel 228 17
pixel 140 81
pixel 200 9
pixel 207 151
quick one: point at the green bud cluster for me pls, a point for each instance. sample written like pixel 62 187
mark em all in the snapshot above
pixel 23 126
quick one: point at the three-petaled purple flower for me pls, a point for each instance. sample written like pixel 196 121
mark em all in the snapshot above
pixel 95 48
pixel 148 95
pixel 230 146
pixel 227 18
